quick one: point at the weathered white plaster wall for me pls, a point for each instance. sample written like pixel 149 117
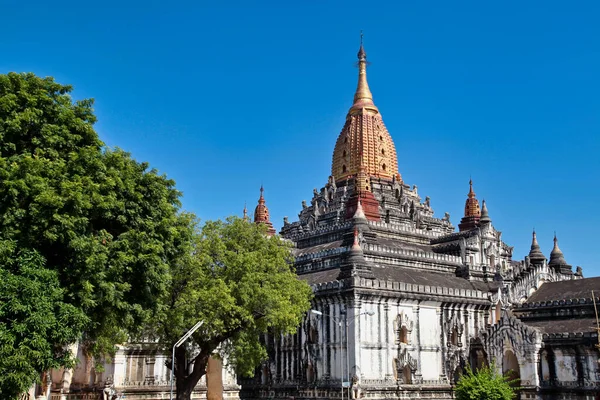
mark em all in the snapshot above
pixel 566 365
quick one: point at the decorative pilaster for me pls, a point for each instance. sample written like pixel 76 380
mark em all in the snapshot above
pixel 417 314
pixel 440 313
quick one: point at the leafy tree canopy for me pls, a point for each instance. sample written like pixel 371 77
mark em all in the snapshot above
pixel 107 226
pixel 241 283
pixel 484 384
pixel 37 324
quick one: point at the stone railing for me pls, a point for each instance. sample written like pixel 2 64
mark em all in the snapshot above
pixel 392 382
pixel 319 231
pixel 410 287
pixel 77 396
pixel 321 254
pixel 421 255
pixel 145 383
pixel 555 303
pixel 402 228
pixel 327 286
pixel 377 382
pixel 453 236
pixel 570 384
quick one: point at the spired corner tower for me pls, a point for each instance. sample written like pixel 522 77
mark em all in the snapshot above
pixel 404 302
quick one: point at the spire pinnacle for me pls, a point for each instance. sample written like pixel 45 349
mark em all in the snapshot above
pixel 535 254
pixel 245 213
pixel 363 99
pixel 471 192
pixel 261 213
pixel 485 216
pixel 556 256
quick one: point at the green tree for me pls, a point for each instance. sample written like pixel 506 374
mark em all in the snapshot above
pixel 37 324
pixel 241 283
pixel 108 226
pixel 484 384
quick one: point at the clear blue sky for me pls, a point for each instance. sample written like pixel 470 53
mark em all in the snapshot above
pixel 224 98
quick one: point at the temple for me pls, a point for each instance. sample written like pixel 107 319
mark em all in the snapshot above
pixel 403 301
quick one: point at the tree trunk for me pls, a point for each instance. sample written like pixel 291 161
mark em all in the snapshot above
pixel 184 393
pixel 186 382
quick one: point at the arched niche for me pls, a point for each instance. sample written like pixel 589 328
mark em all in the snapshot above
pixel 510 367
pixel 478 357
pixel 454 337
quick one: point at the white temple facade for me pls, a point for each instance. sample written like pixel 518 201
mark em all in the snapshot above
pixel 403 302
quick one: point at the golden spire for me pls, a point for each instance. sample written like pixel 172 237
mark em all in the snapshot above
pixel 364 141
pixel 472 204
pixel 472 211
pixel 363 97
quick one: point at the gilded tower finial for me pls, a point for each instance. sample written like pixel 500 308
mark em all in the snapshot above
pixel 364 142
pixel 363 97
pixel 471 192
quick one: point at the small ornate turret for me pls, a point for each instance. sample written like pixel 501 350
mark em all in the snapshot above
pixel 472 211
pixel 261 213
pixel 359 214
pixel 485 216
pixel 535 254
pixel 354 263
pixel 557 259
pixel 245 217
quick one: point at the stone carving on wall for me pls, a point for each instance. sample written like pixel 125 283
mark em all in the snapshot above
pixel 455 364
pixel 356 392
pixel 453 326
pixel 511 334
pixel 403 327
pixel 406 367
pixel 311 349
pixel 109 393
pixel 455 353
pixel 446 217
